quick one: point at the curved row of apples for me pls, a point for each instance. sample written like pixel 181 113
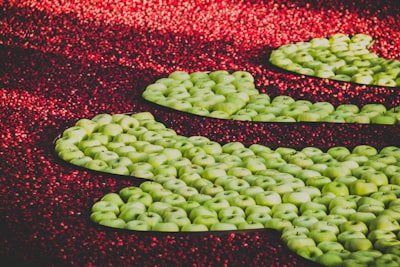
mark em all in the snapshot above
pixel 225 95
pixel 339 57
pixel 337 206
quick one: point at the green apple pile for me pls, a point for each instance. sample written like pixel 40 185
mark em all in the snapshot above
pixel 337 207
pixel 339 57
pixel 225 95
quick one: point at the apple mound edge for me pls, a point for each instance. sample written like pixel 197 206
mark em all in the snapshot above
pixel 224 95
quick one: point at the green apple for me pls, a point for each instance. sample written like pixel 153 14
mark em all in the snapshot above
pixel 336 171
pixel 363 188
pixel 383 119
pixel 188 206
pixel 207 220
pixel 137 225
pixel 357 244
pixel 377 234
pixel 384 222
pixel 379 178
pixel 173 199
pixel 217 204
pixel 384 197
pixel 343 211
pixel 242 201
pixel 294 232
pixel 230 211
pixel 277 224
pixel 311 253
pixel 143 197
pixel 322 235
pixel 365 217
pixel 150 218
pixel 304 221
pixel 349 235
pixel 338 188
pixel 287 215
pixel 389 260
pixel 268 198
pixel 354 226
pixel 296 197
pixel 113 223
pixel 165 227
pixel 194 228
pixel 330 258
pixel 202 211
pixel 98 215
pixel 199 198
pixel 223 227
pixel 297 243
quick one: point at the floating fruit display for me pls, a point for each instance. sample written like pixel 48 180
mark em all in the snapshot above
pixel 339 57
pixel 225 95
pixel 331 206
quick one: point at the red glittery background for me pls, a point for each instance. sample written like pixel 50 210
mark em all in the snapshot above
pixel 68 59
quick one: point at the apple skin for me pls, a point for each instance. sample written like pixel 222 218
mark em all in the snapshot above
pixel 339 151
pixel 336 171
pixel 367 257
pixel 223 227
pixel 291 232
pixel 304 221
pixel 377 177
pixel 363 188
pixel 217 204
pixel 150 218
pixel 165 227
pixel 389 260
pixel 76 132
pixel 113 223
pixel 329 259
pixel 137 225
pixel 357 244
pixel 99 215
pixel 322 235
pixel 375 235
pixel 211 189
pixel 173 199
pixel 296 243
pixel 104 205
pixel 242 201
pixel 338 188
pixel 199 198
pixel 365 217
pixel 312 206
pixel 194 228
pixel 384 222
pixel 126 192
pixel 230 211
pixel 142 197
pixel 311 253
pixel 354 226
pixel 277 224
pixel 148 186
pixel 207 220
pixel 268 198
pixel 296 197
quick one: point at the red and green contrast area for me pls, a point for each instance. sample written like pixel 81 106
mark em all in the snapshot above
pixel 62 61
pixel 224 95
pixel 332 207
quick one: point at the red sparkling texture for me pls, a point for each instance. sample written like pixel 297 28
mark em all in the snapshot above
pixel 65 60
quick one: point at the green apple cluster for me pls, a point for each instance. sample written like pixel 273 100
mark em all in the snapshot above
pixel 225 95
pixel 339 57
pixel 338 207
